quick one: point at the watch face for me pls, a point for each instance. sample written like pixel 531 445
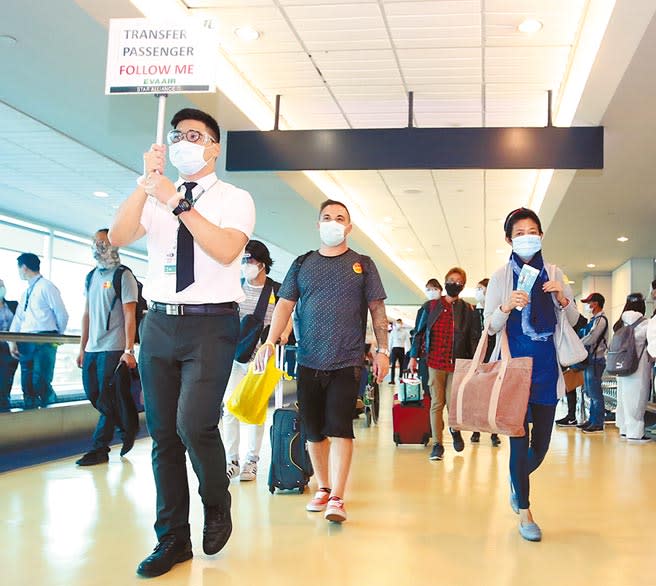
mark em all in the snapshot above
pixel 183 206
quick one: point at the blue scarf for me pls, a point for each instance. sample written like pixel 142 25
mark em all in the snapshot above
pixel 542 317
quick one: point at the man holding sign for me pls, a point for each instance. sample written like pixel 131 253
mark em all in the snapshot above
pixel 196 230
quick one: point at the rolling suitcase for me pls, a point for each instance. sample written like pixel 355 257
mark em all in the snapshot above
pixel 411 421
pixel 291 467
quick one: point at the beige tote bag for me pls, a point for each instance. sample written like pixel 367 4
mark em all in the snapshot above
pixel 491 397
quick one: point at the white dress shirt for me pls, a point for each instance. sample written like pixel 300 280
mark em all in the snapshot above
pixel 399 338
pixel 40 309
pixel 222 204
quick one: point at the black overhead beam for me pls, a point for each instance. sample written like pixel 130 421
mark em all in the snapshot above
pixel 416 148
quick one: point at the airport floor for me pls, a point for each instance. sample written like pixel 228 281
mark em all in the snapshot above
pixel 410 520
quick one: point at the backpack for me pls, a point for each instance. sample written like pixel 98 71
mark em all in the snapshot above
pixel 251 327
pixel 623 358
pixel 364 306
pixel 142 306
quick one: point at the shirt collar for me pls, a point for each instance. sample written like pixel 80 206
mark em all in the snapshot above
pixel 204 182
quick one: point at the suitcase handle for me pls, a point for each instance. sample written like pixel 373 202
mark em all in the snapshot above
pixel 280 362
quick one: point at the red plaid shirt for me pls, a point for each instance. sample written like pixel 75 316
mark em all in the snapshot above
pixel 440 352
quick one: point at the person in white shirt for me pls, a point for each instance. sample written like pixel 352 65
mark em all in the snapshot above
pixel 399 344
pixel 196 231
pixel 633 389
pixel 40 311
pixel 256 265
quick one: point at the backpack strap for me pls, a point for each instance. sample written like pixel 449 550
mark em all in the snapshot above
pixel 601 338
pixel 87 280
pixel 117 285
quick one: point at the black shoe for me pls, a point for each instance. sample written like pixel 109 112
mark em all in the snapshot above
pixel 583 425
pixel 458 442
pixel 100 456
pixel 496 441
pixel 437 452
pixel 593 429
pixel 566 422
pixel 392 382
pixel 476 437
pixel 169 551
pixel 218 527
pixel 609 416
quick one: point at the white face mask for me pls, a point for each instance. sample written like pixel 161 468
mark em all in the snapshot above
pixel 331 233
pixel 527 246
pixel 250 272
pixel 187 157
pixel 480 296
pixel 433 294
pixel 3 292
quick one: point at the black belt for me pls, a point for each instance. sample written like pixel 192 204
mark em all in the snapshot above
pixel 199 309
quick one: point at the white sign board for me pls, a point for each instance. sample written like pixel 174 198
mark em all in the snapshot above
pixel 158 57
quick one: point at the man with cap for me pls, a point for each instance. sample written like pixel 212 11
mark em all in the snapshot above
pixel 595 339
pixel 256 265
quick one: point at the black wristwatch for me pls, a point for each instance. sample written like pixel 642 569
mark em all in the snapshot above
pixel 183 206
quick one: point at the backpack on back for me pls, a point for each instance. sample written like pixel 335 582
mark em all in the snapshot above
pixel 142 306
pixel 623 357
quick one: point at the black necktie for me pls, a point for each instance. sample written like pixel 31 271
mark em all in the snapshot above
pixel 184 274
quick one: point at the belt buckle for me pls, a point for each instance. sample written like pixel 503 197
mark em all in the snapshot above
pixel 173 309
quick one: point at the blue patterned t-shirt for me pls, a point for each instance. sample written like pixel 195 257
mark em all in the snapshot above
pixel 330 292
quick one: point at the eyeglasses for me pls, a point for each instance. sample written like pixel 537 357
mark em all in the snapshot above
pixel 191 135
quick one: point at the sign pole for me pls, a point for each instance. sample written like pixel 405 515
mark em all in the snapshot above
pixel 161 112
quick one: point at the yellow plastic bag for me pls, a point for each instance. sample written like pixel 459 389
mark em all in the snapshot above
pixel 250 399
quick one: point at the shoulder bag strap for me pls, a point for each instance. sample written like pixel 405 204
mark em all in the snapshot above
pixel 263 300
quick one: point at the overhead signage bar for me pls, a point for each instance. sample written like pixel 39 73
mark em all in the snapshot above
pixel 547 147
pixel 416 148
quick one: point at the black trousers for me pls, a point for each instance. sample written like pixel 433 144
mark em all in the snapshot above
pixel 8 366
pixel 185 363
pixel 397 355
pixel 97 370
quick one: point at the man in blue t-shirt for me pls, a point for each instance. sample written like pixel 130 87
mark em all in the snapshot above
pixel 108 334
pixel 332 289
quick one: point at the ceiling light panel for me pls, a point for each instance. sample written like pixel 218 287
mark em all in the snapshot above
pixel 284 70
pixel 276 36
pixel 539 65
pixel 397 181
pixel 560 21
pixel 339 27
pixel 434 24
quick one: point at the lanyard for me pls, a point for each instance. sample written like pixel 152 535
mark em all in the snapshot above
pixel 29 293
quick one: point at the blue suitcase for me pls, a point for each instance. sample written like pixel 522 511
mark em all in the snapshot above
pixel 291 467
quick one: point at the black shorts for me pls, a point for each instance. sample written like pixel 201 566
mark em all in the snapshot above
pixel 326 401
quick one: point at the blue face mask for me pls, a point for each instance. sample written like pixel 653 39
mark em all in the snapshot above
pixel 525 247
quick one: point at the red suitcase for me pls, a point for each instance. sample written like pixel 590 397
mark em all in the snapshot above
pixel 411 421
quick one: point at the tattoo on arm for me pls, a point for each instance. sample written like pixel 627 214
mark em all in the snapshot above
pixel 379 320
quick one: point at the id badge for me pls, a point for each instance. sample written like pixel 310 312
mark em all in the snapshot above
pixel 170 263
